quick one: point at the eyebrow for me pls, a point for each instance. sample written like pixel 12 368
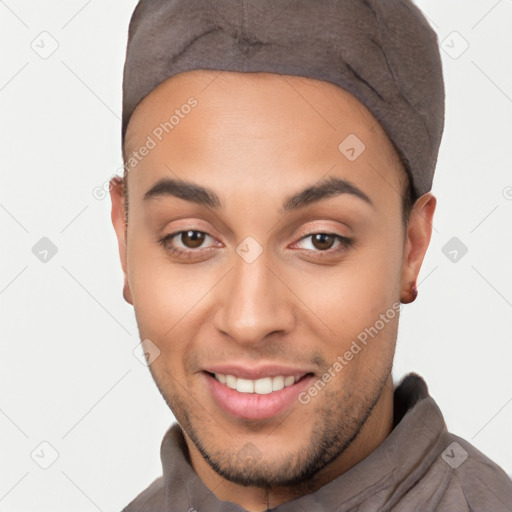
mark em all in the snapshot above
pixel 326 188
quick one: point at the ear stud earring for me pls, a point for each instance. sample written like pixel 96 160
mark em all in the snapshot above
pixel 410 295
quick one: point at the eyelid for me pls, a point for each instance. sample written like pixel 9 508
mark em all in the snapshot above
pixel 312 228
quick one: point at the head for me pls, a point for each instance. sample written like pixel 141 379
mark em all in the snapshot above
pixel 251 244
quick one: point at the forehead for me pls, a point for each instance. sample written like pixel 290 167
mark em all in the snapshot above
pixel 277 123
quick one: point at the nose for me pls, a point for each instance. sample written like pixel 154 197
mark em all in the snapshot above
pixel 254 302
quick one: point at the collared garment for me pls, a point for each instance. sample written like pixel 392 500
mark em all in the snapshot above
pixel 420 467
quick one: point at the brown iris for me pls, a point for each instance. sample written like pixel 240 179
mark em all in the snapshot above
pixel 192 239
pixel 322 241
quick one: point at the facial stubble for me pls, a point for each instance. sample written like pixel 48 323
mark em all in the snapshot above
pixel 339 421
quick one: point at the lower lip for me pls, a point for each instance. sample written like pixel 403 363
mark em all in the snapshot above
pixel 253 406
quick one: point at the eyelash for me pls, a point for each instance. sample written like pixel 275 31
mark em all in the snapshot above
pixel 345 244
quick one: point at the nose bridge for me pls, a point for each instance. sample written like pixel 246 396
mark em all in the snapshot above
pixel 254 302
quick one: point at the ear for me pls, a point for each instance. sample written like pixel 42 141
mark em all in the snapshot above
pixel 119 223
pixel 419 231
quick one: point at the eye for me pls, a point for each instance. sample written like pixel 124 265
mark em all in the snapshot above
pixel 190 240
pixel 325 242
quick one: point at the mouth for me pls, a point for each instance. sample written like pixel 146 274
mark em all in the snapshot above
pixel 257 399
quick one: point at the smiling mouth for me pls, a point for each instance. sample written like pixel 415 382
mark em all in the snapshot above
pixel 263 386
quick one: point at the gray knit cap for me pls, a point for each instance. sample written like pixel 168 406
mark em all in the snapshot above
pixel 384 52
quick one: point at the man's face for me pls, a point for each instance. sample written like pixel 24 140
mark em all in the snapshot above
pixel 265 289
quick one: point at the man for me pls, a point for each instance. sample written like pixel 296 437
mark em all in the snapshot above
pixel 273 217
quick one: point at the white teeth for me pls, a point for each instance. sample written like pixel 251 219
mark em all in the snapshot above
pixel 289 380
pixel 231 381
pixel 262 386
pixel 245 385
pixel 278 383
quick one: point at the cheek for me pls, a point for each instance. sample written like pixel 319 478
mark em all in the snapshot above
pixel 156 294
pixel 356 300
pixel 168 298
pixel 375 276
pixel 366 281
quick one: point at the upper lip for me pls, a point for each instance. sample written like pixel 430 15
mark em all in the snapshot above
pixel 257 372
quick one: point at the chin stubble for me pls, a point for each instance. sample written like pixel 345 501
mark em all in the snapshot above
pixel 337 426
pixel 332 434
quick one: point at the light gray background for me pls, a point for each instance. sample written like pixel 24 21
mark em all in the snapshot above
pixel 68 374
